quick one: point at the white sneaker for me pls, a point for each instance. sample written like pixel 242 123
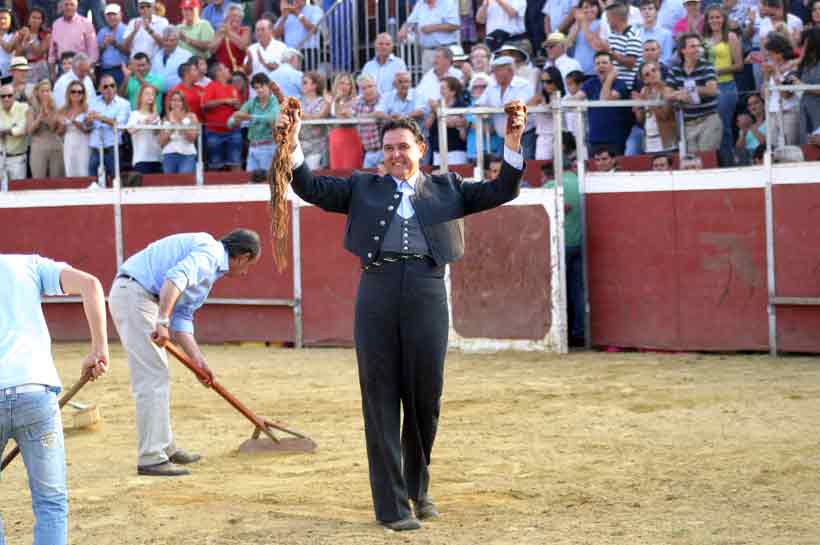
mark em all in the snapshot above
pixel 94 185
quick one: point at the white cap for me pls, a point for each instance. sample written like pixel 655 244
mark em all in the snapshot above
pixel 501 60
pixel 112 8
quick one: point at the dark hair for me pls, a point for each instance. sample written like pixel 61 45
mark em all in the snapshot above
pixel 557 79
pixel 142 56
pixel 259 79
pixel 779 43
pixel 490 158
pixel 66 55
pixel 774 4
pixel 662 156
pixel 602 54
pixel 242 241
pixel 183 69
pixel 759 152
pixel 811 50
pixel 685 37
pixel 404 123
pixel 454 85
pixel 724 29
pixel 42 12
pixel 603 149
pixel 647 2
pixel 319 80
pixel 195 59
pixel 594 3
pixel 579 77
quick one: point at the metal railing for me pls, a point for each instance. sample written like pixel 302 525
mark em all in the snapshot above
pixel 198 127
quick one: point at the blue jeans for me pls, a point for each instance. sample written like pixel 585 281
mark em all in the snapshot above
pixel 260 157
pixel 575 291
pixel 177 163
pixel 94 161
pixel 727 103
pixel 634 144
pixel 33 420
pixel 224 148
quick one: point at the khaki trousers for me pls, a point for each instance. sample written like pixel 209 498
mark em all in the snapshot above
pixel 703 133
pixel 135 312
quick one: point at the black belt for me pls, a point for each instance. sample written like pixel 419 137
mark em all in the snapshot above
pixel 127 277
pixel 395 257
pixel 15 154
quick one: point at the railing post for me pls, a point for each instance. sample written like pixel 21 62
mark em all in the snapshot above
pixel 581 148
pixel 768 167
pixel 117 187
pixel 479 146
pixel 681 135
pixel 116 154
pixel 442 135
pixel 4 177
pixel 296 241
pixel 558 200
pixel 200 167
pixel 101 167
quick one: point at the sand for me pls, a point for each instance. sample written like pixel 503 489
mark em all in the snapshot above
pixel 588 448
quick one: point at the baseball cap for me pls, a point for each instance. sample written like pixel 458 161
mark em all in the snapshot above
pixel 189 4
pixel 112 8
pixel 501 60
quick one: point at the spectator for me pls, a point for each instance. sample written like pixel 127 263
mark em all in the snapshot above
pixel 143 34
pixel 523 68
pixel 650 29
pixel 726 54
pixel 191 92
pixel 503 20
pixel 451 97
pixel 166 63
pixel 436 24
pixel 625 45
pixel 34 42
pixel 215 12
pixel 814 15
pixel 551 84
pixel 265 55
pixel 260 113
pixel 65 62
pixel 9 41
pixel 239 79
pixel 313 138
pixel 342 139
pixel 670 12
pixel 429 88
pixel 298 28
pixel 288 76
pixel 585 35
pixel 159 8
pixel 659 128
pixel 105 111
pixel 773 14
pixel 751 125
pixel 573 83
pixel 13 131
pixel 385 65
pixel 461 62
pixel 478 85
pixel 110 38
pixel 692 22
pixel 75 128
pixel 694 85
pixel 508 87
pixel 661 163
pixel 364 106
pixel 80 69
pixel 652 53
pixel 137 75
pixel 633 16
pixel 219 102
pixel 202 65
pixel 556 46
pixel 230 42
pixel 72 32
pixel 809 73
pixel 778 70
pixel 492 167
pixel 558 17
pixel 19 80
pixel 43 128
pixel 195 34
pixel 403 101
pixel 178 149
pixel 603 159
pixel 147 150
pixel 608 127
pixel 343 95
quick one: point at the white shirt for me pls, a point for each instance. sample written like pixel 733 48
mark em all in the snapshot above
pixel 429 88
pixel 518 89
pixel 793 22
pixel 385 73
pixel 272 53
pixel 635 21
pixel 146 141
pixel 497 18
pixel 143 42
pixel 558 10
pixel 565 64
pixel 444 12
pixel 5 58
pixel 62 85
pixel 295 31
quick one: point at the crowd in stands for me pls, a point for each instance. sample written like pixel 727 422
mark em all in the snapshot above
pixel 66 80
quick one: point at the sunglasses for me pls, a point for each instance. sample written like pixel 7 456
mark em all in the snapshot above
pixel 6 96
pixel 145 6
pixel 546 81
pixel 109 86
pixel 77 91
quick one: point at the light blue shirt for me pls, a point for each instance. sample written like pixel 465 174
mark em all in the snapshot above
pixel 385 73
pixel 288 79
pixel 168 69
pixel 663 37
pixel 392 104
pixel 25 344
pixel 558 10
pixel 444 12
pixel 110 56
pixel 295 31
pixel 191 261
pixel 215 14
pixel 102 135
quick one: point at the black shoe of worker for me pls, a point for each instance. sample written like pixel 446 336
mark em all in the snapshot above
pixel 184 458
pixel 426 509
pixel 403 525
pixel 165 469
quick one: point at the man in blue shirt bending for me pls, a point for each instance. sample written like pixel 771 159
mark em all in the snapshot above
pixel 157 291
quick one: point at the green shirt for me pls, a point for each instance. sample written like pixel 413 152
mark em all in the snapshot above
pixel 572 217
pixel 200 31
pixel 133 89
pixel 260 128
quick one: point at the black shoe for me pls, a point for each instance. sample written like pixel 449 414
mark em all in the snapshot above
pixel 184 458
pixel 165 469
pixel 402 525
pixel 426 509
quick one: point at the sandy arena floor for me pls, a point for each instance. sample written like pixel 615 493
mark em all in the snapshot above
pixel 533 449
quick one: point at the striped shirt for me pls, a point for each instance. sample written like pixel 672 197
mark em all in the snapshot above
pixel 628 44
pixel 700 76
pixel 368 132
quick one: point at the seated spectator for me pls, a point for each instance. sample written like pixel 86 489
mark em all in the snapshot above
pixel 195 34
pixel 451 97
pixel 507 87
pixel 178 149
pixel 480 58
pixel 265 55
pixel 603 159
pixel 429 88
pixel 660 132
pixel 143 34
pixel 661 163
pixel 19 80
pixel 72 32
pixel 298 27
pixel 260 113
pixel 13 128
pixel 402 101
pixel 219 102
pixel 385 65
pixel 551 84
pixel 435 24
pixel 35 40
pixel 167 61
pixel 759 155
pixel 779 70
pixel 724 48
pixel 215 12
pixel 651 53
pixel 313 138
pixel 585 35
pixel 608 127
pixel 80 70
pixel 105 111
pixel 75 128
pixel 492 167
pixel 650 29
pixel 751 125
pixel 231 40
pixel 43 128
pixel 147 150
pixel 191 92
pixel 364 106
pixel 288 75
pixel 502 24
pixel 110 42
pixel 624 40
pixel 557 55
pixel 693 84
pixel 692 22
pixel 137 75
pixel 809 73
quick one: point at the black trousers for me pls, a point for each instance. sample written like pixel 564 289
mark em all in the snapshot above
pixel 401 339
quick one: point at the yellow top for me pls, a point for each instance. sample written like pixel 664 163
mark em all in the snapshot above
pixel 722 59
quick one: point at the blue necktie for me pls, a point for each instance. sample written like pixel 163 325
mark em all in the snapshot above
pixel 406 207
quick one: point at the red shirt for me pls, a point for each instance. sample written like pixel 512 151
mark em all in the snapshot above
pixel 216 118
pixel 193 98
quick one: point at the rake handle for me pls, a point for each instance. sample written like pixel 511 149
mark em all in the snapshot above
pixel 65 398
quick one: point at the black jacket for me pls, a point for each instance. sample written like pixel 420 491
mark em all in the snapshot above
pixel 370 202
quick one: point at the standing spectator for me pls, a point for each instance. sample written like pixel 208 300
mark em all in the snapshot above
pixel 429 88
pixel 809 73
pixel 34 42
pixel 9 40
pixel 110 42
pixel 219 102
pixel 288 76
pixel 503 20
pixel 19 80
pixel 585 35
pixel 178 149
pixel 558 16
pixel 435 24
pixel 403 101
pixel 573 83
pixel 774 13
pixel 298 28
pixel 191 92
pixel 105 111
pixel 385 65
pixel 364 106
pixel 725 52
pixel 13 134
pixel 624 41
pixel 195 34
pixel 260 113
pixel 506 88
pixel 669 13
pixel 779 70
pixel 230 42
pixel 633 16
pixel 608 127
pixel 660 132
pixel 143 34
pixel 43 127
pixel 343 95
pixel 650 29
pixel 814 14
pixel 147 149
pixel 314 106
pixel 75 128
pixel 452 96
pixel 72 32
pixel 265 55
pixel 552 83
pixel 480 58
pixel 166 63
pixel 137 75
pixel 692 22
pixel 751 125
pixel 80 70
pixel 557 56
pixel 693 83
pixel 215 12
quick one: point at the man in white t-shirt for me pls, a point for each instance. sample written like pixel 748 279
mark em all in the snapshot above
pixel 144 33
pixel 504 20
pixel 437 23
pixel 265 54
